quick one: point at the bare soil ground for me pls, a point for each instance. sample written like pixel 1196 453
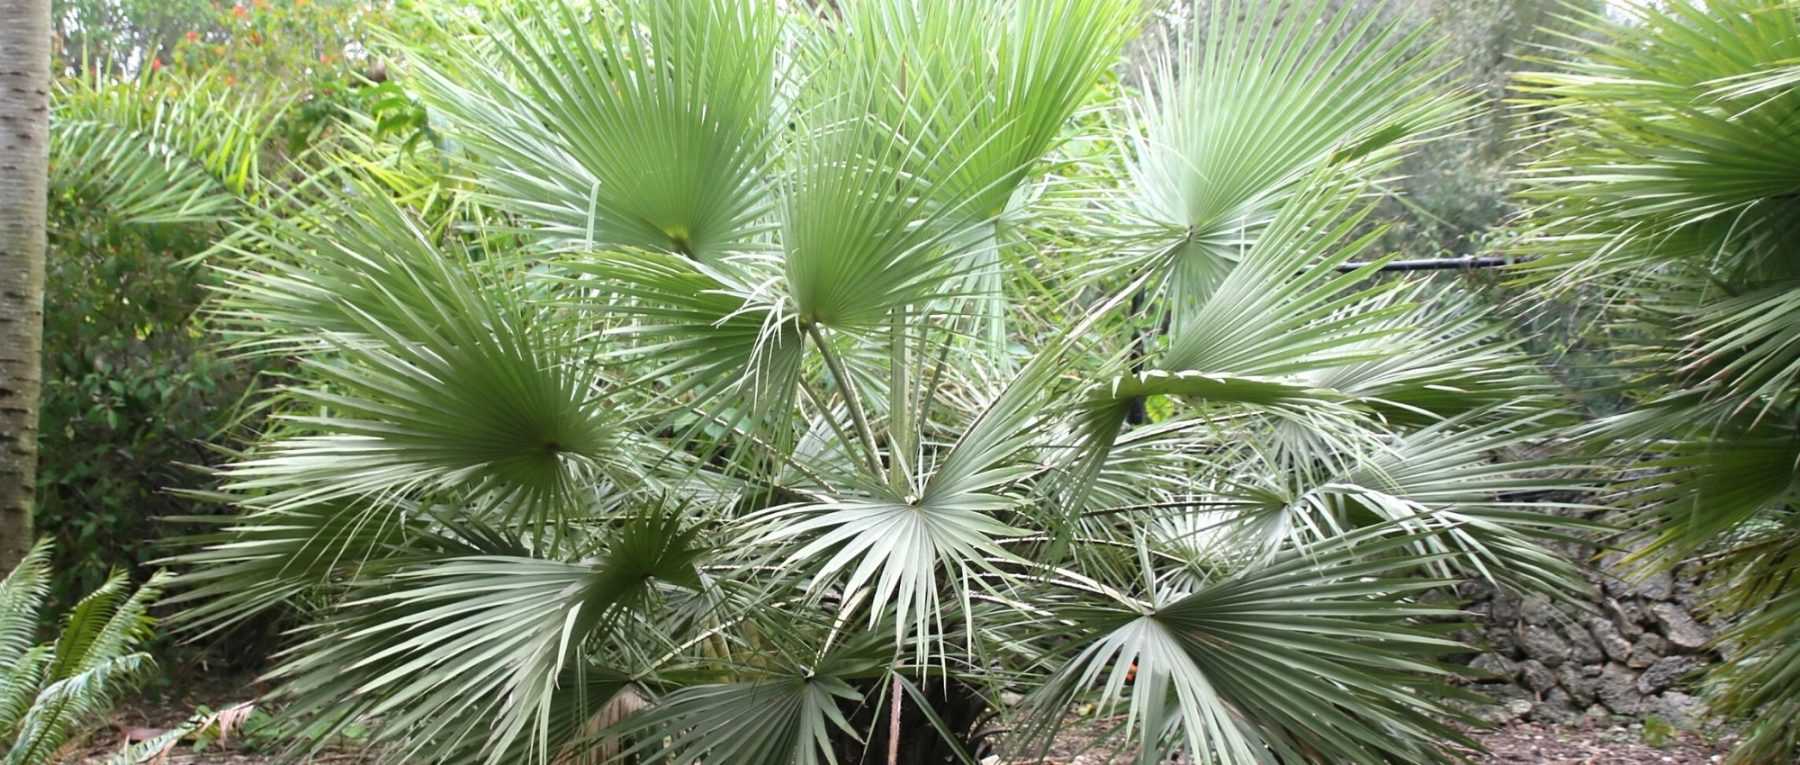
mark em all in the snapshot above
pixel 1512 745
pixel 1536 743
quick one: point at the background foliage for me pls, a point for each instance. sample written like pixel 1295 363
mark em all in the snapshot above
pixel 173 121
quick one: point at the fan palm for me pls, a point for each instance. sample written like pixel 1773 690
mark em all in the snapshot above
pixel 1671 186
pixel 739 412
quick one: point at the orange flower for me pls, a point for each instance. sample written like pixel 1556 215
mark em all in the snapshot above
pixel 156 64
pixel 193 36
pixel 240 11
pixel 260 4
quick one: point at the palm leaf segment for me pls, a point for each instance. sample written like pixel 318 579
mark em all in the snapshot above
pixel 981 95
pixel 645 125
pixel 1250 102
pixel 431 377
pixel 487 658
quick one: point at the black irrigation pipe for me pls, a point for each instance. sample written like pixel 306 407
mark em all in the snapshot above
pixel 1433 264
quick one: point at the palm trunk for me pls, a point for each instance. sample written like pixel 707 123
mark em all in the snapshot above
pixel 24 170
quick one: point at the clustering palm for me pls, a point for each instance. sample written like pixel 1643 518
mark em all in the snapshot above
pixel 1671 187
pixel 757 407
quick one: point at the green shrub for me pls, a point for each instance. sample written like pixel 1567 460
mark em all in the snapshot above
pixel 132 397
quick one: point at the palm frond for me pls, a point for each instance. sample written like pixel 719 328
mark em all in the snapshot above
pixel 990 89
pixel 1698 158
pixel 468 658
pixel 1700 487
pixel 754 722
pixel 641 124
pixel 895 553
pixel 1667 190
pixel 1499 512
pixel 1255 98
pixel 1304 659
pixel 1280 311
pixel 698 333
pixel 864 230
pixel 296 283
pixel 150 152
pixel 273 558
pixel 440 379
pixel 1441 358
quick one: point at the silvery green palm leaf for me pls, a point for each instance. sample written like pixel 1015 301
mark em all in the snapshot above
pixel 1283 312
pixel 1667 191
pixel 645 124
pixel 777 720
pixel 1316 656
pixel 432 374
pixel 1253 99
pixel 472 658
pixel 989 88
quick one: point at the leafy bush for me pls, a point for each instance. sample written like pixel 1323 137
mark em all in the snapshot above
pixel 51 692
pixel 133 398
pixel 143 175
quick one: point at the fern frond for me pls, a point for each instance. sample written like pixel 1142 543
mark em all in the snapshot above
pixel 21 597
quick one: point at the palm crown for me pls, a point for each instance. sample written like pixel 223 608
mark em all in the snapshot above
pixel 770 379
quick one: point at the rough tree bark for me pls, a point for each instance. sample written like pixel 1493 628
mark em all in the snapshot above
pixel 24 170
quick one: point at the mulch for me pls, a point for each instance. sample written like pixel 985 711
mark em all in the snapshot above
pixel 1514 744
pixel 1557 745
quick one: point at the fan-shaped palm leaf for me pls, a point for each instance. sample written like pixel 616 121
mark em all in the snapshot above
pixel 1302 659
pixel 989 88
pixel 468 658
pixel 1256 98
pixel 642 124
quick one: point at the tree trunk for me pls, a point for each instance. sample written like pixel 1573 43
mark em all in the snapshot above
pixel 24 171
